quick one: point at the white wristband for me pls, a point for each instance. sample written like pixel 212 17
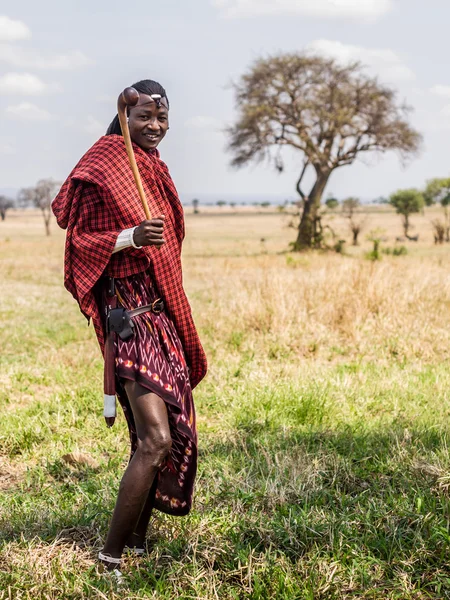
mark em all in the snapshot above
pixel 125 239
pixel 132 238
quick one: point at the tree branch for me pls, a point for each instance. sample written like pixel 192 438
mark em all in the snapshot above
pixel 299 182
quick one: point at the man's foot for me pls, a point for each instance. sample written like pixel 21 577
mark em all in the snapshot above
pixel 112 565
pixel 110 562
pixel 135 545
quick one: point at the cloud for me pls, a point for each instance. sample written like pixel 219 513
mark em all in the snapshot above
pixel 385 62
pixel 441 90
pixel 24 84
pixel 365 9
pixel 203 122
pixel 29 112
pixel 29 59
pixel 11 30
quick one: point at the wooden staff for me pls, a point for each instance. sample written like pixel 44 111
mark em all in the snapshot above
pixel 130 97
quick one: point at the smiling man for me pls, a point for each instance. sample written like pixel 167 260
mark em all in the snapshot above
pixel 125 273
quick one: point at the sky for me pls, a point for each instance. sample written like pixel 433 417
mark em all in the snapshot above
pixel 63 64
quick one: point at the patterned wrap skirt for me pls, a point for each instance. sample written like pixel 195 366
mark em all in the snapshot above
pixel 154 358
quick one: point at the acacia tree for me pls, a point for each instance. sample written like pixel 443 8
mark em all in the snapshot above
pixel 331 203
pixel 349 209
pixel 329 113
pixel 5 204
pixel 406 203
pixel 438 190
pixel 41 196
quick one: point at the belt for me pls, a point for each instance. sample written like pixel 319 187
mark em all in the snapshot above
pixel 156 307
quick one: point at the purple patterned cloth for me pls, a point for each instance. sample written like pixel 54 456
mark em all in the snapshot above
pixel 154 358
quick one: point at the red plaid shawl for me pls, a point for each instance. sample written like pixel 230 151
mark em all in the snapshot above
pixel 97 201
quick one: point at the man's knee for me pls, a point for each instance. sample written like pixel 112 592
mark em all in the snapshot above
pixel 154 448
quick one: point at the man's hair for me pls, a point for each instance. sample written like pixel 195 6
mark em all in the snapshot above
pixel 147 87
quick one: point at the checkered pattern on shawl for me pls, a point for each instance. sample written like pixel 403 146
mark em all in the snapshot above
pixel 97 201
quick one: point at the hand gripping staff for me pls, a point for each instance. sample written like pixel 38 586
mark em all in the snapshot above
pixel 129 97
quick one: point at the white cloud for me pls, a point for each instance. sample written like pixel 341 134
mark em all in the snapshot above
pixel 94 127
pixel 203 122
pixel 29 112
pixel 22 83
pixel 365 9
pixel 384 62
pixel 11 30
pixel 21 58
pixel 441 90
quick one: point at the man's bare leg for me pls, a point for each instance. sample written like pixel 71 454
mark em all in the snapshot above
pixel 137 538
pixel 154 443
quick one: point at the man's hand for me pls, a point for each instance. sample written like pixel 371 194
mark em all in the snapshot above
pixel 150 233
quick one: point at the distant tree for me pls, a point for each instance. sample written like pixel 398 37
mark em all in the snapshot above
pixel 350 206
pixel 329 113
pixel 355 221
pixel 265 204
pixel 331 202
pixel 440 231
pixel 41 196
pixel 221 203
pixel 195 204
pixel 376 237
pixel 406 203
pixel 5 204
pixel 438 190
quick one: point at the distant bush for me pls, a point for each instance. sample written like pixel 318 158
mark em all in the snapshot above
pixel 339 246
pixel 396 251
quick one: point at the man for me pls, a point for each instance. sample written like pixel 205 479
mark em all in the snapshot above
pixel 115 260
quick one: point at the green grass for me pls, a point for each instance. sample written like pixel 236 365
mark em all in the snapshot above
pixel 331 486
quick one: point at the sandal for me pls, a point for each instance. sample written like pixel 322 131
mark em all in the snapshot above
pixel 109 561
pixel 135 550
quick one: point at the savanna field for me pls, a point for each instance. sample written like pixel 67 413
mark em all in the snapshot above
pixel 324 421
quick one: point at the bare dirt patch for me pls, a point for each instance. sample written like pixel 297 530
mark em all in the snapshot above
pixel 11 474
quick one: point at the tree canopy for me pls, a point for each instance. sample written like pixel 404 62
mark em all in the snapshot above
pixel 328 112
pixel 437 190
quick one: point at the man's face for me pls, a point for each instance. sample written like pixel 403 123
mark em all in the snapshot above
pixel 148 124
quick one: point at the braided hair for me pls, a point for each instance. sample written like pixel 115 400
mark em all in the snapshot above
pixel 146 86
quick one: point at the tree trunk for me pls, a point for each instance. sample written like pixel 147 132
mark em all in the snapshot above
pixel 447 224
pixel 355 236
pixel 307 231
pixel 406 225
pixel 47 222
pixel 3 214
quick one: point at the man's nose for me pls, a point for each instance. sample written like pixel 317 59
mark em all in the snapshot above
pixel 153 125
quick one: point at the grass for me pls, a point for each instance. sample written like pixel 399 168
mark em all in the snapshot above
pixel 324 466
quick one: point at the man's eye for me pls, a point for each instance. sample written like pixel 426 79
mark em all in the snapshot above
pixel 162 118
pixel 144 118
